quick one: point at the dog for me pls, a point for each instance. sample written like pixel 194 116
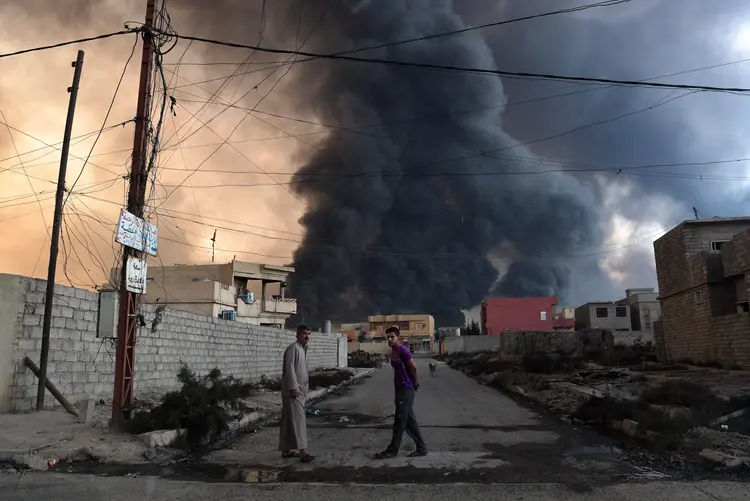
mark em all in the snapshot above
pixel 433 369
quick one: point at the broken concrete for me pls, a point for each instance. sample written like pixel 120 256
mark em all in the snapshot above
pixel 86 410
pixel 30 461
pixel 722 460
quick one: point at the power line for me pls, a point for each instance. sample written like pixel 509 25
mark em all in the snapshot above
pixel 607 3
pixel 70 42
pixel 405 253
pixel 481 71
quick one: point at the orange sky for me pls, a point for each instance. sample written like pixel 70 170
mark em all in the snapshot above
pixel 33 100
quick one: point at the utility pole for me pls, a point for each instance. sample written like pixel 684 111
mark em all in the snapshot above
pixel 49 297
pixel 128 322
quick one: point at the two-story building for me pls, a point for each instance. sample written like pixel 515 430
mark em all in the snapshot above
pixel 417 331
pixel 523 314
pixel 703 270
pixel 246 292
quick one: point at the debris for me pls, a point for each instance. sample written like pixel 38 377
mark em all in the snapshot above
pixel 365 359
pixel 721 459
pixel 729 417
pixel 31 461
pixel 86 410
pixel 630 427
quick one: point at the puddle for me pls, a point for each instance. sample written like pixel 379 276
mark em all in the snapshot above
pixel 595 450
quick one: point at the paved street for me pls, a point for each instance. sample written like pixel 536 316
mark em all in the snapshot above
pixel 474 433
pixel 37 486
pixel 483 445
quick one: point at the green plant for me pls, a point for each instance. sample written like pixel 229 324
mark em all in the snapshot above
pixel 203 406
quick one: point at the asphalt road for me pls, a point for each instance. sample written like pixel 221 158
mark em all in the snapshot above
pixel 483 445
pixel 474 433
pixel 35 486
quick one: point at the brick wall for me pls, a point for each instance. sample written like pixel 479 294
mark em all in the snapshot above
pixel 80 364
pixel 702 328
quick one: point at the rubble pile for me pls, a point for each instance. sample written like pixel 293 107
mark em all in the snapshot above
pixel 365 360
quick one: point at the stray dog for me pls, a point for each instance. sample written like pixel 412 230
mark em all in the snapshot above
pixel 433 369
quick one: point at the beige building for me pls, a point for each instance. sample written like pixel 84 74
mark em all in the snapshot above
pixel 644 308
pixel 417 331
pixel 247 292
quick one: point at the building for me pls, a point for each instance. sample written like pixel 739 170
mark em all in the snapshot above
pixel 520 314
pixel 606 315
pixel 703 270
pixel 417 331
pixel 359 331
pixel 444 332
pixel 247 292
pixel 565 319
pixel 644 309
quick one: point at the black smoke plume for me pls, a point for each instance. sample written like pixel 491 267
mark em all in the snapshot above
pixel 399 238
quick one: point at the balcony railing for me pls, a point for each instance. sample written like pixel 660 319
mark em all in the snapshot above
pixel 280 305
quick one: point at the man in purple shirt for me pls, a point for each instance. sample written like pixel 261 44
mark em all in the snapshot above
pixel 406 383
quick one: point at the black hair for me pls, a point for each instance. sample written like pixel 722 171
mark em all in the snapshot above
pixel 302 328
pixel 393 329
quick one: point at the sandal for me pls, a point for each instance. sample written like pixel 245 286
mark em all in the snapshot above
pixel 289 455
pixel 385 455
pixel 307 458
pixel 417 454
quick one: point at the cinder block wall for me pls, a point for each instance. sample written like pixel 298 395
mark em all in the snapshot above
pixel 80 364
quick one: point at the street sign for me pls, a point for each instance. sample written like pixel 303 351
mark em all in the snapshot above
pixel 135 276
pixel 136 233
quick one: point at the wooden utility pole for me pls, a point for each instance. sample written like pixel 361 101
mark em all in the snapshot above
pixel 55 237
pixel 128 322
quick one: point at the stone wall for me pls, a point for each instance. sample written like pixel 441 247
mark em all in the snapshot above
pixel 80 364
pixel 516 345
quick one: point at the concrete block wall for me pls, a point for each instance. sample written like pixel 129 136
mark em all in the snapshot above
pixel 80 364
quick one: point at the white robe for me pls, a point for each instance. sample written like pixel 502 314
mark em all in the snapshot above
pixel 293 428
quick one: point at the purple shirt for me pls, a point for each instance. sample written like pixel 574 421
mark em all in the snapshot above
pixel 401 377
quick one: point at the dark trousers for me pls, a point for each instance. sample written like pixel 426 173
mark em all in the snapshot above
pixel 404 421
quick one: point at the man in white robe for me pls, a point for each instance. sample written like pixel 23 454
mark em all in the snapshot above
pixel 294 386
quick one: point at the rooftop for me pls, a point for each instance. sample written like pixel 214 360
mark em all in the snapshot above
pixel 744 219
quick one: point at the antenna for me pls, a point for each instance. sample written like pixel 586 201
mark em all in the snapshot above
pixel 213 246
pixel 695 211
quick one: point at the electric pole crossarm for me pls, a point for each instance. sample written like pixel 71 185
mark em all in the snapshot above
pixel 55 237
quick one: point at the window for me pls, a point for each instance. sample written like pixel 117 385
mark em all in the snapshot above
pixel 418 327
pixel 621 311
pixel 716 245
pixel 542 315
pixel 698 295
pixel 602 313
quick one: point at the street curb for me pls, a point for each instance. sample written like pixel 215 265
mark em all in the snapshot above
pixel 167 438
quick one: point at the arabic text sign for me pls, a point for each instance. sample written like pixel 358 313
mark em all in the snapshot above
pixel 136 275
pixel 131 233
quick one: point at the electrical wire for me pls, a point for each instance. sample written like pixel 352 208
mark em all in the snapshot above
pixel 480 71
pixel 106 117
pixel 70 42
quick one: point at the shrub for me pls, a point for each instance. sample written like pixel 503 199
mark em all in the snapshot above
pixel 203 406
